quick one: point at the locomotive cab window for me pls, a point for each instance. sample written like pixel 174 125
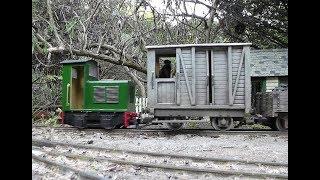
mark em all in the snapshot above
pixel 74 73
pixel 165 66
pixel 93 70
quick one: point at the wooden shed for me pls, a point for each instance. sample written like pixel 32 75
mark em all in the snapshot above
pixel 269 69
pixel 206 80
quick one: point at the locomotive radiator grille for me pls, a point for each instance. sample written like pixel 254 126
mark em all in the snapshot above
pixel 112 93
pixel 99 94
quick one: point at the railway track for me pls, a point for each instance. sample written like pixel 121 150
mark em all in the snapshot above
pixel 202 132
pixel 255 169
pixel 63 167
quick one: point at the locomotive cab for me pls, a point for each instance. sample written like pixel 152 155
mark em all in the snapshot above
pixel 75 74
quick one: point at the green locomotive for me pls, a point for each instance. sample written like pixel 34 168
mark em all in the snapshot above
pixel 90 102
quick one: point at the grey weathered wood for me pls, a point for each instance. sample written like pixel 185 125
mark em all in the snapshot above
pixel 230 75
pixel 185 75
pixel 200 77
pixel 165 80
pixel 151 72
pixel 156 92
pixel 280 101
pixel 166 90
pixel 238 76
pixel 247 79
pixel 193 59
pixel 227 112
pixel 178 88
pixel 212 78
pixel 220 79
pixel 195 69
pixel 218 106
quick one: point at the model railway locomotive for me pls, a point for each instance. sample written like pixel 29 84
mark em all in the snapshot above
pixel 89 102
pixel 198 83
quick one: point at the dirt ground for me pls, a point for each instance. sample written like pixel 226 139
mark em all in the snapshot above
pixel 246 147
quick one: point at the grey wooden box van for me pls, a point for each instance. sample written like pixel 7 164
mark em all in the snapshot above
pixel 205 80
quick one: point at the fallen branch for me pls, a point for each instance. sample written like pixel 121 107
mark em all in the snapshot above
pixel 102 57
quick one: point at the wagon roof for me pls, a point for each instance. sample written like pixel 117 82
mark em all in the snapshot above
pixel 198 45
pixel 76 61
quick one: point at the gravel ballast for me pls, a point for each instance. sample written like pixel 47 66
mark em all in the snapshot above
pixel 246 147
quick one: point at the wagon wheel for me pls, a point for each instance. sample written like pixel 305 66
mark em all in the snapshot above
pixel 222 123
pixel 174 126
pixel 281 123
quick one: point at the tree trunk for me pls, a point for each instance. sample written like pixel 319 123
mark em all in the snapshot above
pixel 136 80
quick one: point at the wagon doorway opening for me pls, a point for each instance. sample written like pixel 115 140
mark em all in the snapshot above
pixel 77 87
pixel 166 66
pixel 165 82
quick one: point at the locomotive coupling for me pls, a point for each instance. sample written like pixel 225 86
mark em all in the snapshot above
pixel 146 118
pixel 258 118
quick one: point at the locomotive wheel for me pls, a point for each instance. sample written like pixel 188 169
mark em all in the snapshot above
pixel 79 121
pixel 175 126
pixel 281 123
pixel 222 123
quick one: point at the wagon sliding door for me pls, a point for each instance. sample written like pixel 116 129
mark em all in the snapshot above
pixel 230 76
pixel 192 72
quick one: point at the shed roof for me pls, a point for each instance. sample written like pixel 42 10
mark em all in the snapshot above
pixel 197 45
pixel 77 61
pixel 269 62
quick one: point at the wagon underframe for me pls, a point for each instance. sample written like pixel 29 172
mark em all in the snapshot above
pixel 200 111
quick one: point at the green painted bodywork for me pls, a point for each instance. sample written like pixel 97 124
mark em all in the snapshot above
pixel 126 91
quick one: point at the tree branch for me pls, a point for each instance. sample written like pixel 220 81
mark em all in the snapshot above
pixel 102 57
pixel 113 49
pixel 137 81
pixel 52 23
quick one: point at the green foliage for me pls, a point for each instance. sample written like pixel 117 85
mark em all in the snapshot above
pixel 262 22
